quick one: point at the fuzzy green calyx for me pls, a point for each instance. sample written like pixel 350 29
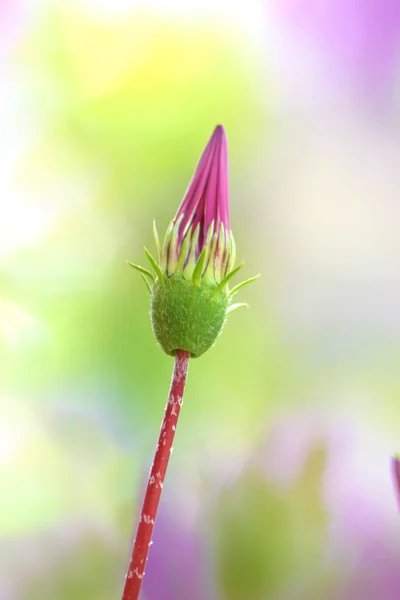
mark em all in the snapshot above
pixel 186 316
pixel 188 309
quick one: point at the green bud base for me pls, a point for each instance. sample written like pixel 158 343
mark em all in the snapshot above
pixel 186 316
pixel 190 305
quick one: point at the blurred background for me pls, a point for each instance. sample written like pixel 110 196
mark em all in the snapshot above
pixel 280 486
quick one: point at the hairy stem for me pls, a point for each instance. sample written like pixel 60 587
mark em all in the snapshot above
pixel 152 496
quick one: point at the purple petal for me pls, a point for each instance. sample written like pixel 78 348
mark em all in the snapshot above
pixel 206 200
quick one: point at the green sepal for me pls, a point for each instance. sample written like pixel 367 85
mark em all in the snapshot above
pixel 157 241
pixel 163 261
pixel 198 270
pixel 146 282
pixel 231 253
pixel 233 307
pixel 242 284
pixel 154 264
pixel 142 270
pixel 227 278
pixel 182 255
pixel 209 272
pixel 219 256
pixel 172 258
pixel 190 257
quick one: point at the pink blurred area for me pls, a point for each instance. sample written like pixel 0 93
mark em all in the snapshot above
pixel 11 21
pixel 362 38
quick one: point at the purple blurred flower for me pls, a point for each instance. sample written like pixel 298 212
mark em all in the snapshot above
pixel 362 540
pixel 362 36
pixel 11 21
pixel 175 569
pixel 376 574
pixel 396 477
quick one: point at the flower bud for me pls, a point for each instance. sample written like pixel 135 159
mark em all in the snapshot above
pixel 190 298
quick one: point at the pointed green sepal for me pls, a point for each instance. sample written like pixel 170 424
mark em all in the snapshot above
pixel 198 270
pixel 183 253
pixel 242 284
pixel 233 307
pixel 231 252
pixel 157 241
pixel 190 254
pixel 142 270
pixel 154 264
pixel 146 282
pixel 227 278
pixel 163 261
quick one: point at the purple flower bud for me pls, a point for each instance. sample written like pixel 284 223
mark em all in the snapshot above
pixel 206 200
pixel 189 293
pixel 202 220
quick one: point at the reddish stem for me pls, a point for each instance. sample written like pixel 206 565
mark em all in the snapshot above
pixel 151 500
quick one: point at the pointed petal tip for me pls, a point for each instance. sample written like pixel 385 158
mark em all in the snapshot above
pixel 220 132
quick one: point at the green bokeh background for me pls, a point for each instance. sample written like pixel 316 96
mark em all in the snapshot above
pixel 110 116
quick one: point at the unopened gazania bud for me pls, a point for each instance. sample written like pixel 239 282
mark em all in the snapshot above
pixel 190 298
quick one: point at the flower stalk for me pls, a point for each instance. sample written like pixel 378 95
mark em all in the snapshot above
pixel 190 301
pixel 155 483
